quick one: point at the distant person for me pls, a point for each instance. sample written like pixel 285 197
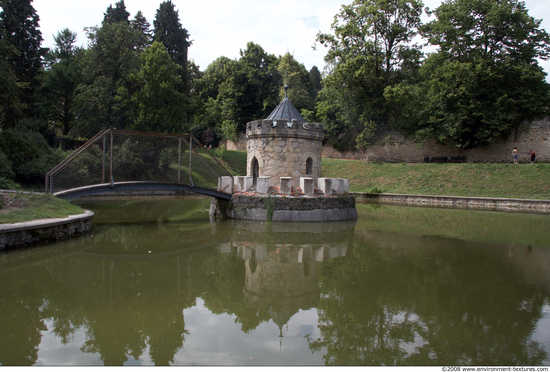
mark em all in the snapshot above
pixel 515 155
pixel 532 157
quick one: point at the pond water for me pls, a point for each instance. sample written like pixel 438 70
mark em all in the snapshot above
pixel 158 283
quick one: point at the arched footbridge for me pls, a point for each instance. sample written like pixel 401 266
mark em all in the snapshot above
pixel 117 160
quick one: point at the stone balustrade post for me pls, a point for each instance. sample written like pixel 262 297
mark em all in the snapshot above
pixel 306 184
pixel 337 185
pixel 263 184
pixel 286 184
pixel 325 185
pixel 245 183
pixel 225 184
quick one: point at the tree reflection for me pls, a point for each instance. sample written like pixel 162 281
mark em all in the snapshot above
pixel 381 298
pixel 21 321
pixel 403 306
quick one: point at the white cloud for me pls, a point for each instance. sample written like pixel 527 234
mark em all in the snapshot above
pixel 222 28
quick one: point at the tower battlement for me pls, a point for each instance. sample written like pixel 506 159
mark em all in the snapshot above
pixel 284 129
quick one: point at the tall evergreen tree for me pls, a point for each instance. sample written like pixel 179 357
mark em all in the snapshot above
pixel 315 75
pixel 140 23
pixel 169 32
pixel 19 23
pixel 116 14
pixel 10 87
pixel 60 81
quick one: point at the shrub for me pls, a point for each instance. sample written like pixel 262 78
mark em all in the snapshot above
pixel 29 154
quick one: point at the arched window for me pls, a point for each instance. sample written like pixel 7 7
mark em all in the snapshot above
pixel 255 171
pixel 309 166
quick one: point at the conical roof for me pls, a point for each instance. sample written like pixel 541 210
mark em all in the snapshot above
pixel 286 111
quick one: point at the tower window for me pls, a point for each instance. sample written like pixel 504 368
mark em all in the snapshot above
pixel 255 171
pixel 309 166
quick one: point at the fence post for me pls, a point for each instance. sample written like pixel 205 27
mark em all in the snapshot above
pixel 190 153
pixel 111 170
pixel 179 160
pixel 103 166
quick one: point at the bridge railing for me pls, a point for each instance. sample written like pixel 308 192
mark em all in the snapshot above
pixel 128 156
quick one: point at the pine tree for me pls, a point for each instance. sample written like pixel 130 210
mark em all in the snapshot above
pixel 315 75
pixel 140 23
pixel 116 14
pixel 10 88
pixel 168 31
pixel 60 81
pixel 19 24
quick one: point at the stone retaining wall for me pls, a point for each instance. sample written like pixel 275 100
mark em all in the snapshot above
pixel 395 148
pixel 50 229
pixel 125 194
pixel 493 204
pixel 286 209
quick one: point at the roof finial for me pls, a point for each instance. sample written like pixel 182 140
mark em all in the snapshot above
pixel 286 91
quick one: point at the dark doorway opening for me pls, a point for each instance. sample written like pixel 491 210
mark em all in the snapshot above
pixel 255 171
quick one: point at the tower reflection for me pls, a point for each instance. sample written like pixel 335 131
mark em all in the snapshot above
pixel 282 263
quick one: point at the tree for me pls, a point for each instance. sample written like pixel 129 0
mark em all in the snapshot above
pixel 316 79
pixel 207 137
pixel 61 80
pixel 112 55
pixel 10 87
pixel 236 92
pixel 156 103
pixel 140 24
pixel 195 104
pixel 299 82
pixel 208 89
pixel 169 32
pixel 19 23
pixel 116 14
pixel 483 81
pixel 370 50
pixel 261 80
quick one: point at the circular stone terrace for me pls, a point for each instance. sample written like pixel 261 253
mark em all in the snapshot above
pixel 329 201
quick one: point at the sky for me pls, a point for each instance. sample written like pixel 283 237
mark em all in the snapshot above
pixel 224 27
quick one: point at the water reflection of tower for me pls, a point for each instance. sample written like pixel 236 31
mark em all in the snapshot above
pixel 282 263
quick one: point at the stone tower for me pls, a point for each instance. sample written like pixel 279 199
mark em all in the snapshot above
pixel 284 145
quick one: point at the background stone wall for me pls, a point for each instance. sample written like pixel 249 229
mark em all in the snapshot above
pixel 530 136
pixel 395 148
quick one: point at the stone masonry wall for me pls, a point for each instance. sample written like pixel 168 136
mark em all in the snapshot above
pixel 287 158
pixel 283 151
pixel 530 136
pixel 11 239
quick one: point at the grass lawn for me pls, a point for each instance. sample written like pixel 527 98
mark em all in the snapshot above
pixel 21 207
pixel 524 181
pixel 233 161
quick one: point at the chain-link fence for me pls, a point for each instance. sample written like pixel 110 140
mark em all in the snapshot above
pixel 114 156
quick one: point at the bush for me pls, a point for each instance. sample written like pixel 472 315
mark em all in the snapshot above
pixel 39 126
pixel 7 184
pixel 5 167
pixel 29 154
